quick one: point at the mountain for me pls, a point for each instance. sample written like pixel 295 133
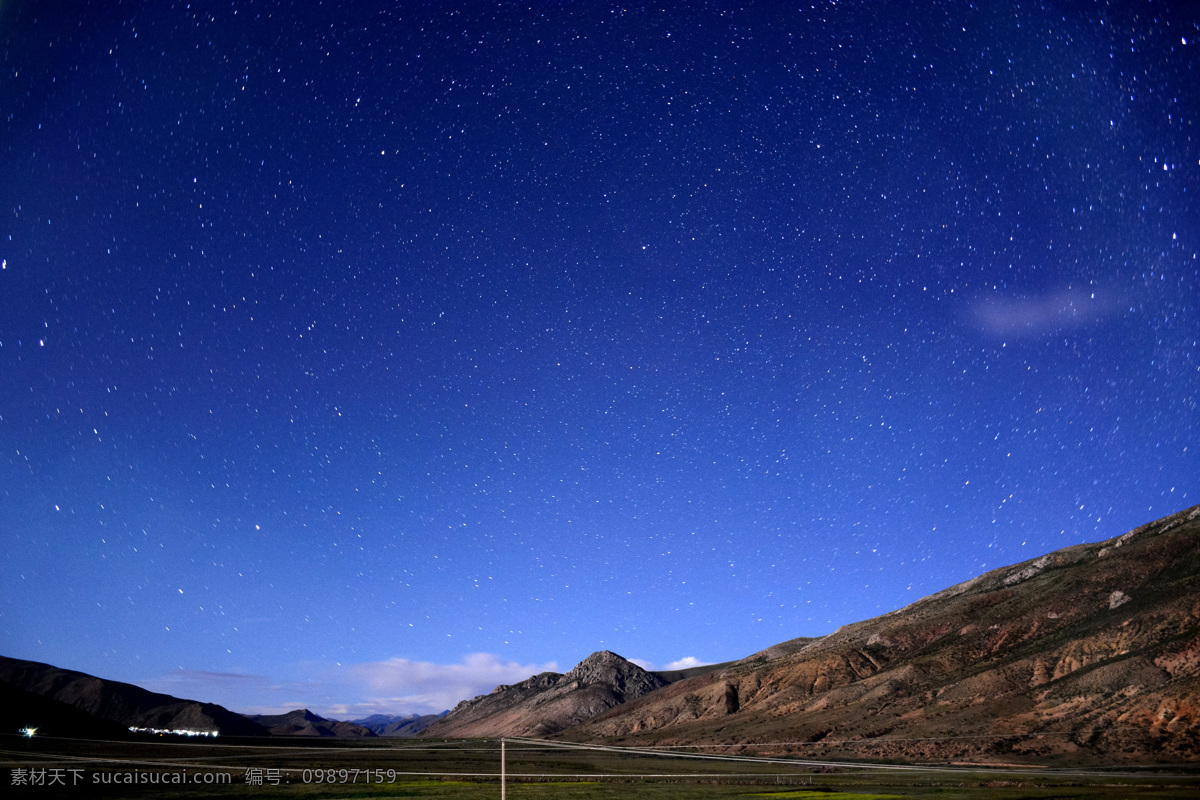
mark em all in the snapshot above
pixel 1090 654
pixel 399 727
pixel 123 703
pixel 550 702
pixel 303 722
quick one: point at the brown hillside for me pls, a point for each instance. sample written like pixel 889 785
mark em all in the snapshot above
pixel 1087 653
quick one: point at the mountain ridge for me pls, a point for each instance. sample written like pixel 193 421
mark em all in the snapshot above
pixel 1092 651
pixel 1087 653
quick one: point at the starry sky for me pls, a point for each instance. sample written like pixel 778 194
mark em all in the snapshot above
pixel 362 356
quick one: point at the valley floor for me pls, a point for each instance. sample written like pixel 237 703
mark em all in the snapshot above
pixel 247 768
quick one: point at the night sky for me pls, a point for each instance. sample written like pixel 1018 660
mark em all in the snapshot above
pixel 363 356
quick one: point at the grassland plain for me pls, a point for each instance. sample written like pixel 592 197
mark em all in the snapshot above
pixel 250 769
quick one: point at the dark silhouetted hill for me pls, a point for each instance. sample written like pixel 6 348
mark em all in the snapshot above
pixel 20 709
pixel 122 703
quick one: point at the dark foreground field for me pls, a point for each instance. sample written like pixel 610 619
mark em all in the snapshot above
pixel 228 768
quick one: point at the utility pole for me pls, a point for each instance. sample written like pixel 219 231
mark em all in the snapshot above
pixel 502 770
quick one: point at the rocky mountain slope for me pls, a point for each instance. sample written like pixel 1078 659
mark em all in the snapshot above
pixel 122 703
pixel 1085 655
pixel 1088 653
pixel 550 702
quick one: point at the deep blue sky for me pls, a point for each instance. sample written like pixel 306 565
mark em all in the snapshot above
pixel 363 357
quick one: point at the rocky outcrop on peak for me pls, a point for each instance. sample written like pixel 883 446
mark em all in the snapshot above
pixel 605 668
pixel 550 702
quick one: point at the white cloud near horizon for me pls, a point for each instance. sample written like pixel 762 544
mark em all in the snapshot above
pixel 401 686
pixel 687 662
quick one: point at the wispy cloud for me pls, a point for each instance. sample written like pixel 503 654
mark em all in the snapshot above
pixel 237 691
pixel 1035 315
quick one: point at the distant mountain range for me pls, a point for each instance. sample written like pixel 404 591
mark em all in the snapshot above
pixel 399 727
pixel 1090 654
pixel 303 722
pixel 61 702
